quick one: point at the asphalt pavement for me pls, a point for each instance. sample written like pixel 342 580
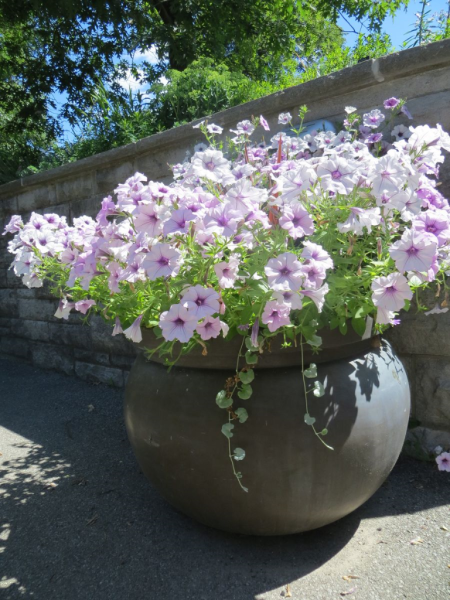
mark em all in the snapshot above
pixel 78 520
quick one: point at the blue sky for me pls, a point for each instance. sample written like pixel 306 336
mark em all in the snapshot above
pixel 398 26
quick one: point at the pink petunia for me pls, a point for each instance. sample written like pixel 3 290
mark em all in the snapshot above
pixel 296 221
pixel 211 327
pixel 443 461
pixel 84 305
pixel 264 123
pixel 161 261
pixel 391 292
pixel 205 301
pixel 275 315
pixel 134 332
pixel 415 251
pixel 178 323
pixel 227 272
pixel 285 269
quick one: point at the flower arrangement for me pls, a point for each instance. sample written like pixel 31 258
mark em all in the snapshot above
pixel 277 238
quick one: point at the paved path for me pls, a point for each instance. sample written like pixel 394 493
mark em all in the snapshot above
pixel 78 521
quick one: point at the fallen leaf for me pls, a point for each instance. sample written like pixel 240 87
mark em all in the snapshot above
pixel 349 577
pixel 444 528
pixel 348 592
pixel 288 593
pixel 91 407
pixel 416 541
pixel 51 486
pixel 93 520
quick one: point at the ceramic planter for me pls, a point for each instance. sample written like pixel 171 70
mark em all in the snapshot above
pixel 295 484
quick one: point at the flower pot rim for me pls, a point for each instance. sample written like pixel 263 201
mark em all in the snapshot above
pixel 222 355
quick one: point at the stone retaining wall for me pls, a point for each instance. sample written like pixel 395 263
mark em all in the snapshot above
pixel 28 329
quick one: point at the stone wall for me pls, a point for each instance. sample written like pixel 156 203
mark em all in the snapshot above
pixel 28 329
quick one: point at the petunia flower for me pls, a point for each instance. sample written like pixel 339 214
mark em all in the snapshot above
pixel 390 293
pixel 205 301
pixel 284 118
pixel 275 315
pixel 285 269
pixel 227 272
pixel 264 123
pixel 213 128
pixel 178 323
pixel 117 327
pixel 211 327
pixel 297 221
pixel 317 296
pixel 134 332
pixel 391 103
pixel 161 261
pixel 415 251
pixel 313 251
pixel 84 305
pixel 64 308
pixel 443 461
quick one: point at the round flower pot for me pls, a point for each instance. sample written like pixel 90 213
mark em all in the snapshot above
pixel 294 482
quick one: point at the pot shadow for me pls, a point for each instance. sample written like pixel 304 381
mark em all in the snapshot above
pixel 79 521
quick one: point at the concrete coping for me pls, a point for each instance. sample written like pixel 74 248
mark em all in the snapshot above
pixel 363 75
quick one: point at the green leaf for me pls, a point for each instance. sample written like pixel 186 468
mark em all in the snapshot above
pixel 249 345
pixel 311 372
pixel 245 392
pixel 324 431
pixel 319 390
pixel 343 327
pixel 239 454
pixel 222 399
pixel 242 415
pixel 227 430
pixel 309 420
pixel 314 340
pixel 247 376
pixel 359 325
pixel 251 359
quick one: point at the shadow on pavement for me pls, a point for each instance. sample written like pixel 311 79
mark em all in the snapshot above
pixel 79 521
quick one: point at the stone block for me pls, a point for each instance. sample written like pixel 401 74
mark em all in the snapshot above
pixel 15 347
pixel 3 278
pixel 109 177
pixel 8 207
pixel 432 388
pixel 89 206
pixel 42 293
pixel 49 356
pixel 63 210
pixel 31 330
pixel 421 442
pixel 103 341
pixel 99 374
pixel 36 309
pixel 8 303
pixel 88 356
pixel 67 334
pixel 123 362
pixel 156 165
pixel 75 187
pixel 38 197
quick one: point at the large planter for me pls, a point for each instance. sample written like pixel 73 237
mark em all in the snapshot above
pixel 295 484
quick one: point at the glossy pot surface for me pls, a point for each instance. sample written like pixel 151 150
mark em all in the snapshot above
pixel 295 483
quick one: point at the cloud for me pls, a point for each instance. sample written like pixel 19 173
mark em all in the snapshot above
pixel 130 82
pixel 150 55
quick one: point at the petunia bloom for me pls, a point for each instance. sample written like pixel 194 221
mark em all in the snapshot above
pixel 161 261
pixel 285 270
pixel 178 323
pixel 443 461
pixel 205 301
pixel 227 272
pixel 415 251
pixel 391 292
pixel 64 308
pixel 275 315
pixel 84 305
pixel 134 332
pixel 297 221
pixel 211 327
pixel 264 123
